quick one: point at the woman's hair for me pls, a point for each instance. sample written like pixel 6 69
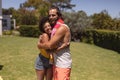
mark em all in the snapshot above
pixel 42 23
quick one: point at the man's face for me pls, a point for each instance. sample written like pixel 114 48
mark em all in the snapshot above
pixel 53 17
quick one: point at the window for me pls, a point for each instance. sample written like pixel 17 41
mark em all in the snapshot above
pixel 4 22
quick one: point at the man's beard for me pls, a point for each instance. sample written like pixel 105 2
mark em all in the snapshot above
pixel 53 22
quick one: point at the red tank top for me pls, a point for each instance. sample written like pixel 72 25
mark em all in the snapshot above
pixel 57 25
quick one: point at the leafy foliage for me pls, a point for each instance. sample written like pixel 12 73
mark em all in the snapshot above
pixel 103 38
pixel 28 18
pixel 29 31
pixel 103 21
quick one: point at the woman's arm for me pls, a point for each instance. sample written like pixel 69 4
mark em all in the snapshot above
pixel 42 39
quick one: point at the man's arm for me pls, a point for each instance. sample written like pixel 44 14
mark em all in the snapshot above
pixel 60 33
pixel 64 45
pixel 66 40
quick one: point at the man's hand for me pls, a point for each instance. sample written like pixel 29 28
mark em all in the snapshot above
pixel 40 41
pixel 40 38
pixel 64 45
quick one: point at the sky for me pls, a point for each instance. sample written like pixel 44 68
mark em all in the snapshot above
pixel 89 6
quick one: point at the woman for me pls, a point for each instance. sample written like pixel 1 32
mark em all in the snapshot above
pixel 43 64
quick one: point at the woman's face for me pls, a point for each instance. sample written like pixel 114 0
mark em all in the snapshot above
pixel 47 28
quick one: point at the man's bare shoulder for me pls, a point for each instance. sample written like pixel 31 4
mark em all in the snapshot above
pixel 63 27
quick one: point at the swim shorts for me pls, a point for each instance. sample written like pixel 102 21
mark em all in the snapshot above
pixel 42 63
pixel 61 73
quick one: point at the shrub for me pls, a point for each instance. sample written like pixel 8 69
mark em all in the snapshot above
pixel 107 39
pixel 29 31
pixel 103 38
pixel 7 32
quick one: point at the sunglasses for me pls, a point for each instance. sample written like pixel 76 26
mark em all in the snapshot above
pixel 52 15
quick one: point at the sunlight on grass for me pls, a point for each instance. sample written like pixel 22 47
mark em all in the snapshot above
pixel 94 63
pixel 17 55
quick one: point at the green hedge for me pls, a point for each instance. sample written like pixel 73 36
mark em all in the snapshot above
pixel 29 31
pixel 104 38
pixel 7 32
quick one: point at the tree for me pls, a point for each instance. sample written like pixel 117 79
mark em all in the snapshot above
pixel 28 18
pixel 77 23
pixel 36 4
pixel 116 24
pixel 39 6
pixel 62 4
pixel 102 20
pixel 8 11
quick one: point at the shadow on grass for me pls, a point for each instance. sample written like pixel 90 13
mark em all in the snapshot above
pixel 1 66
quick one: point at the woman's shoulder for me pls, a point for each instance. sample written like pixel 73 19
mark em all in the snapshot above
pixel 44 35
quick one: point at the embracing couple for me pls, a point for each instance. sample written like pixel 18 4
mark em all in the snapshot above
pixel 54 60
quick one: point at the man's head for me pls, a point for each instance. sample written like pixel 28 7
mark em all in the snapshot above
pixel 54 14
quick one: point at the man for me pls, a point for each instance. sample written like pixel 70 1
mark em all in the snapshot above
pixel 60 34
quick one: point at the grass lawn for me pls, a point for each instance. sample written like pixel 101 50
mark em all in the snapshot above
pixel 17 56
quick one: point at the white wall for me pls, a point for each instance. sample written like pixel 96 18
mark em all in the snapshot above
pixel 0 17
